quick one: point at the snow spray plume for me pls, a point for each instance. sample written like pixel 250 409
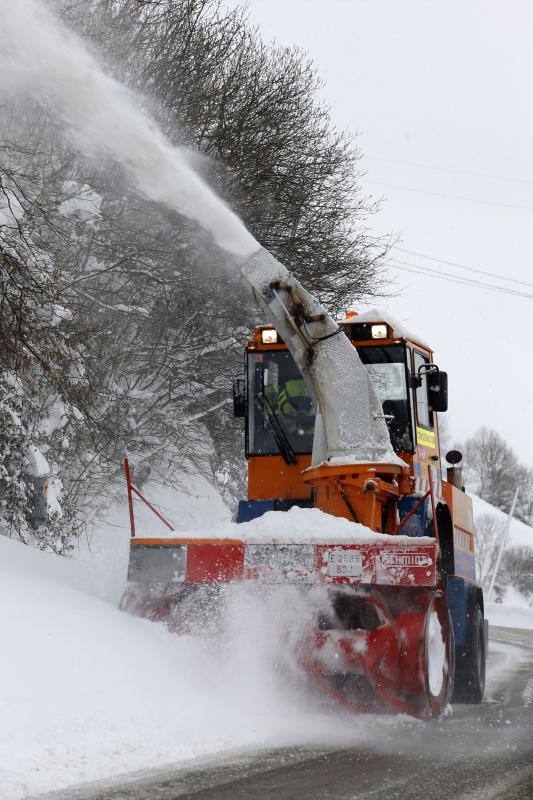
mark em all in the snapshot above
pixel 40 56
pixel 254 633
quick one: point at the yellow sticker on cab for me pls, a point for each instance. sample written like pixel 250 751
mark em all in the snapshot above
pixel 425 438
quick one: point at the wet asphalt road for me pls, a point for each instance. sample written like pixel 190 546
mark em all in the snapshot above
pixel 478 753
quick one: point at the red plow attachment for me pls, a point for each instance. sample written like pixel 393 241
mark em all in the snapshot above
pixel 383 640
pixel 401 661
pixel 223 561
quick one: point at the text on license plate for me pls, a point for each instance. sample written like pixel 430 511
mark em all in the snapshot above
pixel 345 563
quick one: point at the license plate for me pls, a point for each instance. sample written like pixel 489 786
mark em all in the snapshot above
pixel 345 563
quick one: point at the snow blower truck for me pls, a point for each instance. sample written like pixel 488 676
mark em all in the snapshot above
pixel 343 418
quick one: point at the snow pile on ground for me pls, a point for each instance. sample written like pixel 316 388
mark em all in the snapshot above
pixel 104 550
pixel 196 505
pixel 87 691
pixel 513 612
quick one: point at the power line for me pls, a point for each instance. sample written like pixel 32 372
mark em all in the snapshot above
pixel 449 279
pixel 418 269
pixel 453 170
pixel 468 281
pixel 451 196
pixel 463 266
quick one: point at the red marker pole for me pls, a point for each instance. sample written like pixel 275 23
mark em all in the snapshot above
pixel 130 496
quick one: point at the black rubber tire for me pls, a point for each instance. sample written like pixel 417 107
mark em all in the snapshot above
pixel 470 666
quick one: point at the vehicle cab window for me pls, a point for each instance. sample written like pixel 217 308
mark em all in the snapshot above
pixel 388 370
pixel 424 414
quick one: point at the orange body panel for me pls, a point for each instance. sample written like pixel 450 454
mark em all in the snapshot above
pixel 270 478
pixel 460 505
pixel 362 492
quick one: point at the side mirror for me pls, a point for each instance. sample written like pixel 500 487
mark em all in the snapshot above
pixel 438 390
pixel 239 397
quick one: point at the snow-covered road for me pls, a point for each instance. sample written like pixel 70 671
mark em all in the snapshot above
pixel 477 753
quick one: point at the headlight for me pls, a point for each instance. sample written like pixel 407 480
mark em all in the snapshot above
pixel 269 337
pixel 379 331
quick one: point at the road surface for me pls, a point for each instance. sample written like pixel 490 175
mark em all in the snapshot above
pixel 476 753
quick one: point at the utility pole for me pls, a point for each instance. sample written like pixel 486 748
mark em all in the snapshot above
pixel 502 547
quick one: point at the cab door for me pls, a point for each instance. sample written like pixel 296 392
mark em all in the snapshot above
pixel 425 425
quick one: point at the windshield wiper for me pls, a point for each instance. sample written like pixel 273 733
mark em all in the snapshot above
pixel 276 429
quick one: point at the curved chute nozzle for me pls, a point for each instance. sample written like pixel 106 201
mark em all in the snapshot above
pixel 352 428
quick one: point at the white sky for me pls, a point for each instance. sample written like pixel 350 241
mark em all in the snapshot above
pixel 448 85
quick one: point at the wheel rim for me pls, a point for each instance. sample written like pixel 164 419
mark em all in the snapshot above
pixel 437 655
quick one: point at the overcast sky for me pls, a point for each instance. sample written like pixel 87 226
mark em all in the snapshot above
pixel 441 94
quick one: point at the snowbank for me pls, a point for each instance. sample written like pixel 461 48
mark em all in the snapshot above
pixel 506 616
pixel 104 552
pixel 197 505
pixel 513 612
pixel 87 691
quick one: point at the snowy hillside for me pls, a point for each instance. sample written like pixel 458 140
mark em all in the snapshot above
pixel 519 533
pixel 515 611
pixel 104 551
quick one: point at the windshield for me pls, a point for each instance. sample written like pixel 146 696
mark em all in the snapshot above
pixel 278 398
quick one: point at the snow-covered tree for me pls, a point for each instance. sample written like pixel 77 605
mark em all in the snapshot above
pixel 493 472
pixel 40 364
pixel 488 534
pixel 517 569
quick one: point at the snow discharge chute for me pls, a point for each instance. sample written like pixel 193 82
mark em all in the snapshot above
pixel 353 421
